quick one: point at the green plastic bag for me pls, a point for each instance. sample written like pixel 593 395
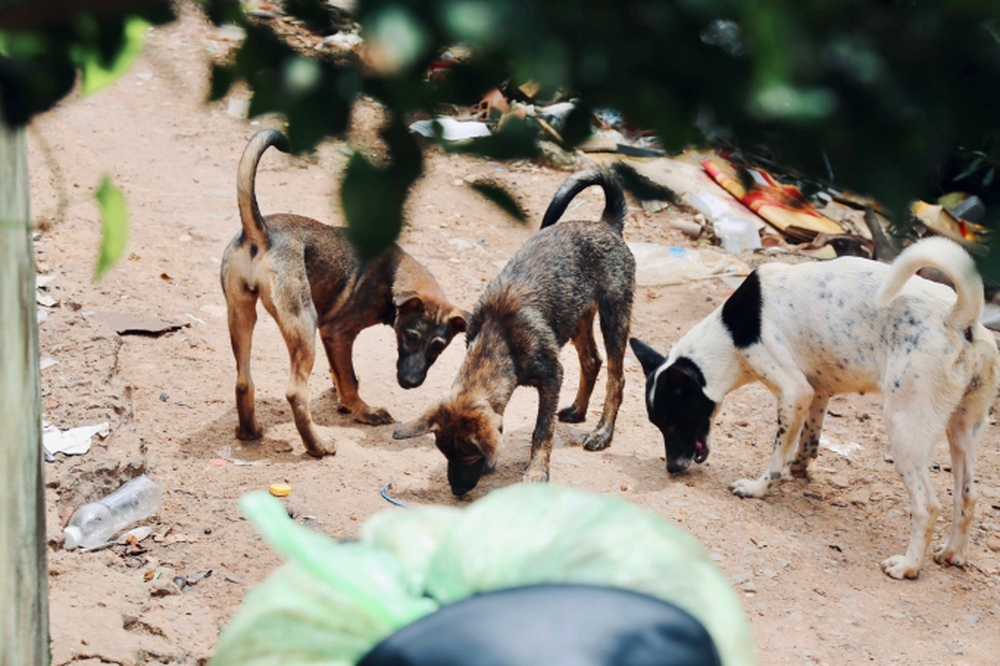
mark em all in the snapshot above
pixel 332 603
pixel 329 604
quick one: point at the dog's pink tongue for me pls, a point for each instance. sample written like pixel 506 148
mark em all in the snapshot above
pixel 700 452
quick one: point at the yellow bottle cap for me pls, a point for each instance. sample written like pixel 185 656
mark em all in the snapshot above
pixel 280 489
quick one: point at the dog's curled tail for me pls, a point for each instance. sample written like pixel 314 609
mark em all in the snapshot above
pixel 254 228
pixel 614 197
pixel 951 259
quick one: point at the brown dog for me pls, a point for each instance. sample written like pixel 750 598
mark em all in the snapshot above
pixel 308 276
pixel 547 295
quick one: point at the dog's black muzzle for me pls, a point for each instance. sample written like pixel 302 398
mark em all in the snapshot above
pixel 464 478
pixel 678 465
pixel 411 370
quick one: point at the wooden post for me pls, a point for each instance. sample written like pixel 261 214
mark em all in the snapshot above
pixel 24 619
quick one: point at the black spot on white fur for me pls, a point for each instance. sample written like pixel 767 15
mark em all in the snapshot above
pixel 741 313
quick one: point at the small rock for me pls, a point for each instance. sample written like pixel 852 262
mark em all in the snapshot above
pixel 838 481
pixel 238 108
pixel 234 578
pixel 859 497
pixel 162 587
pixel 748 587
pixel 993 542
pixel 971 619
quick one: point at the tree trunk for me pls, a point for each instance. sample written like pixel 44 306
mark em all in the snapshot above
pixel 24 620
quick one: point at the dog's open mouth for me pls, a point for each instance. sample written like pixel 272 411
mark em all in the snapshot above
pixel 700 451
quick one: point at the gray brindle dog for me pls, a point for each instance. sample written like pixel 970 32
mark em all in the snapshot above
pixel 547 295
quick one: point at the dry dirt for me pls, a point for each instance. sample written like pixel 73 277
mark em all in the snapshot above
pixel 805 560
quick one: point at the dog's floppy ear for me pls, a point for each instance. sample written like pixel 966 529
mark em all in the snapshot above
pixel 648 357
pixel 458 321
pixel 417 427
pixel 407 302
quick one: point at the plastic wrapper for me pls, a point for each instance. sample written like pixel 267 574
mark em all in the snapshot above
pixel 331 603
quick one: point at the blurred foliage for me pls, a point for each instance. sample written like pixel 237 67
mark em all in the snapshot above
pixel 875 95
pixel 114 227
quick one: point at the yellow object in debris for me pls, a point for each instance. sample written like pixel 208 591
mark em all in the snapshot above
pixel 940 221
pixel 280 489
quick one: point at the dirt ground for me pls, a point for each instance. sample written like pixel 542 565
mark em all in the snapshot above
pixel 804 561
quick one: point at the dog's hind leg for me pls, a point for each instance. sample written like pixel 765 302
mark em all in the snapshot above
pixel 615 317
pixel 298 327
pixel 590 366
pixel 913 428
pixel 795 397
pixel 241 304
pixel 809 439
pixel 964 429
pixel 963 436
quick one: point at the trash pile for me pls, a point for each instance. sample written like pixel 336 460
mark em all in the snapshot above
pixel 744 203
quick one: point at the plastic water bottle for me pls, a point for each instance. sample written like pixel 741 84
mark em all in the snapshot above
pixel 94 524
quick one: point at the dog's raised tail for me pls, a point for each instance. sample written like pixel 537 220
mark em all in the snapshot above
pixel 254 228
pixel 614 197
pixel 951 259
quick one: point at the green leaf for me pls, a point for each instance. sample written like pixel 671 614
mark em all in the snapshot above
pixel 114 231
pixel 503 200
pixel 988 178
pixel 373 196
pixel 96 72
pixel 969 170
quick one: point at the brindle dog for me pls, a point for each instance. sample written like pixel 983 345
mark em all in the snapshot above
pixel 547 295
pixel 308 276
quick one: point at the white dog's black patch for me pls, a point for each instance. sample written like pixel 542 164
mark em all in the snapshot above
pixel 741 313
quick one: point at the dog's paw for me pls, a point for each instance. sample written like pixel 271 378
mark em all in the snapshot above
pixel 949 556
pixel 375 417
pixel 252 432
pixel 799 469
pixel 749 488
pixel 571 415
pixel 536 475
pixel 900 567
pixel 597 440
pixel 317 450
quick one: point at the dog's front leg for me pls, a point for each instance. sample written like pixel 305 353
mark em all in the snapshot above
pixel 541 438
pixel 793 405
pixel 339 347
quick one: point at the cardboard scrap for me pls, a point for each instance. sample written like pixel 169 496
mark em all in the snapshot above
pixel 127 324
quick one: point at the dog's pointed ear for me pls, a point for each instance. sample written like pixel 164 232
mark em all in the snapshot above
pixel 407 302
pixel 458 321
pixel 648 357
pixel 419 426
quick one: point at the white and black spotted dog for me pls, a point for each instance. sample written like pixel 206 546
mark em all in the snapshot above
pixel 848 325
